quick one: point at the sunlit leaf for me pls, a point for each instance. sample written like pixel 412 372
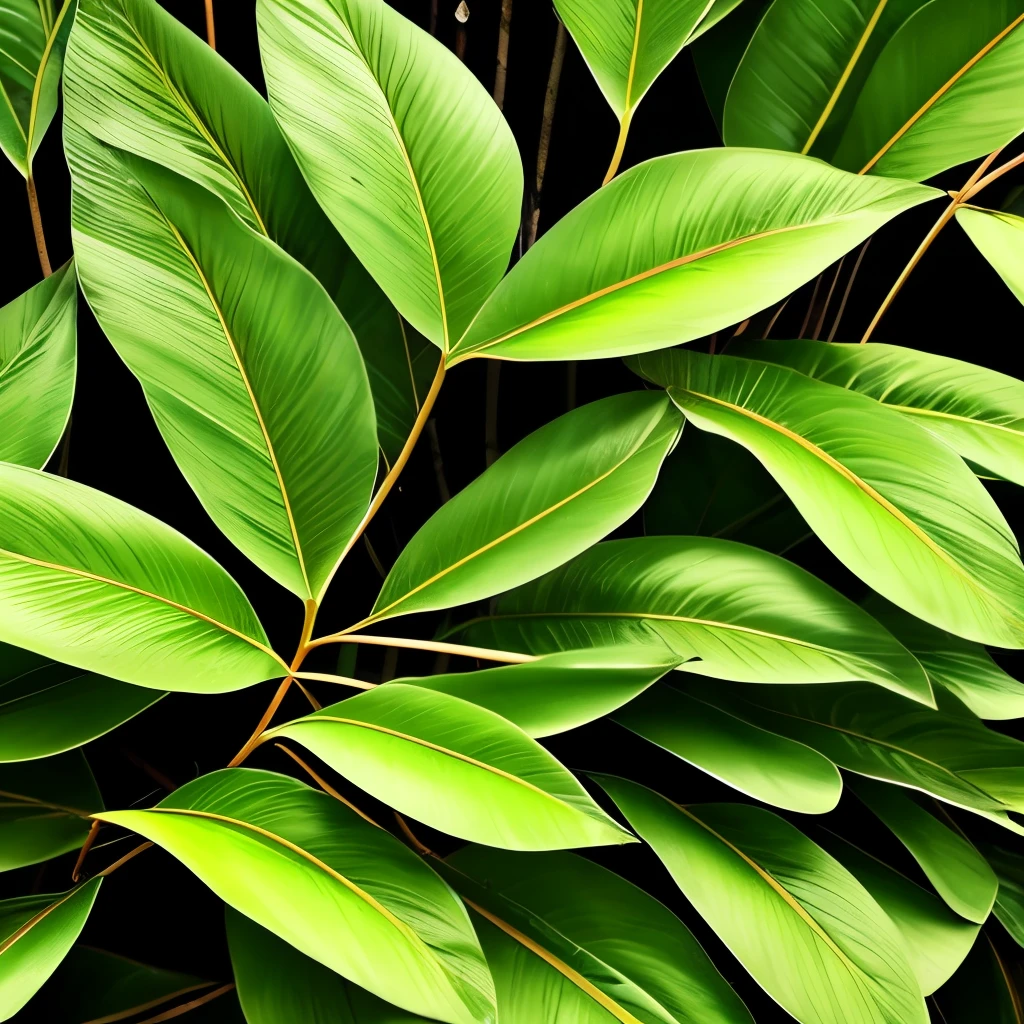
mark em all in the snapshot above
pixel 999 237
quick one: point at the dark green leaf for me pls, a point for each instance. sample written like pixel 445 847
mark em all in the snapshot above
pixel 1009 905
pixel 983 989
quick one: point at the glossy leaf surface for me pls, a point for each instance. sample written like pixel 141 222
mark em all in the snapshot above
pixel 808 932
pixel 679 247
pixel 559 691
pixel 334 886
pixel 983 987
pixel 88 580
pixel 37 368
pixel 528 512
pixel 252 375
pixel 712 600
pixel 44 808
pixel 760 764
pixel 455 766
pixel 35 934
pixel 403 148
pixel 628 956
pixel 47 708
pixel 999 237
pixel 945 555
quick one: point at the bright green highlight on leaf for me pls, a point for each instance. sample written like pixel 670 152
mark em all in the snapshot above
pixel 999 237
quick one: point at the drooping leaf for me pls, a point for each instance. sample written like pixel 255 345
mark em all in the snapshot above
pixel 140 81
pixel 47 708
pixel 999 237
pixel 403 148
pixel 37 368
pixel 936 940
pixel 88 580
pixel 34 34
pixel 958 871
pixel 979 413
pixel 762 764
pixel 337 888
pixel 455 766
pixel 676 248
pixel 1009 905
pixel 961 666
pixel 252 375
pixel 803 926
pixel 530 512
pixel 36 933
pixel 559 691
pixel 983 989
pixel 277 983
pixel 945 554
pixel 620 949
pixel 710 487
pixel 44 808
pixel 747 615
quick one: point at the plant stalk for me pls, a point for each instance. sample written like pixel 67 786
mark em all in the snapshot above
pixel 501 71
pixel 211 34
pixel 37 226
pixel 486 654
pixel 620 147
pixel 848 289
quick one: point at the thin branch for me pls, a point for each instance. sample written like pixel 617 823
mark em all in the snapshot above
pixel 124 860
pixel 620 147
pixel 433 17
pixel 501 71
pixel 37 226
pixel 848 289
pixel 94 831
pixel 810 307
pixel 177 1011
pixel 373 556
pixel 510 657
pixel 775 316
pixel 164 781
pixel 820 322
pixel 211 35
pixel 325 786
pixel 421 848
pixel 326 677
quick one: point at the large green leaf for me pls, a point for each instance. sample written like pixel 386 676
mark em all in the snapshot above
pixel 530 511
pixel 983 989
pixel 864 479
pixel 88 580
pixel 560 691
pixel 252 375
pixel 948 753
pixel 744 614
pixel 936 939
pixel 676 248
pixel 277 983
pixel 36 933
pixel 404 149
pixel 455 766
pixel 958 871
pixel 44 808
pixel 979 413
pixel 38 353
pixel 140 81
pixel 768 767
pixel 808 932
pixel 1009 905
pixel 47 708
pixel 999 237
pixel 961 666
pixel 34 34
pixel 625 956
pixel 337 888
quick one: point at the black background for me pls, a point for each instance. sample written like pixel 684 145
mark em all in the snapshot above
pixel 954 304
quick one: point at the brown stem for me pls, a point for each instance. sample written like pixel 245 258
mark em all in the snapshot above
pixel 37 226
pixel 183 1008
pixel 323 784
pixel 820 322
pixel 502 62
pixel 433 17
pixel 94 831
pixel 421 848
pixel 440 646
pixel 154 773
pixel 848 289
pixel 211 35
pixel 775 316
pixel 810 307
pixel 544 144
pixel 141 848
pixel 491 412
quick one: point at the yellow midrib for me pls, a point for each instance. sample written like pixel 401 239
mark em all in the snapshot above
pixel 35 919
pixel 631 74
pixel 51 38
pixel 939 414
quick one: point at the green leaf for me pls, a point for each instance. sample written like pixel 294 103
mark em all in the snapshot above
pixel 1009 905
pixel 947 753
pixel 277 983
pixel 951 863
pixel 44 808
pixel 38 353
pixel 936 940
pixel 983 989
pixel 710 487
pixel 961 666
pixel 560 691
pixel 946 555
pixel 529 512
pixel 759 763
pixel 142 82
pixel 88 580
pixel 1000 239
pixel 744 614
pixel 47 708
pixel 339 889
pixel 34 34
pixel 403 148
pixel 808 932
pixel 676 248
pixel 625 956
pixel 979 413
pixel 456 767
pixel 36 933
pixel 252 375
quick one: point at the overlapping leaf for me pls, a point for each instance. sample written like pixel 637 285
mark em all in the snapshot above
pixel 946 555
pixel 1009 905
pixel 999 237
pixel 455 766
pixel 983 988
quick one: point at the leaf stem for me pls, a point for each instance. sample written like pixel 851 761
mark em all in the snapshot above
pixel 192 1004
pixel 544 142
pixel 510 657
pixel 211 35
pixel 124 860
pixel 94 831
pixel 37 226
pixel 323 784
pixel 620 147
pixel 848 289
pixel 501 71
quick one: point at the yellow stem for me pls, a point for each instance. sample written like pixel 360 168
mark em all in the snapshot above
pixel 510 657
pixel 620 147
pixel 211 35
